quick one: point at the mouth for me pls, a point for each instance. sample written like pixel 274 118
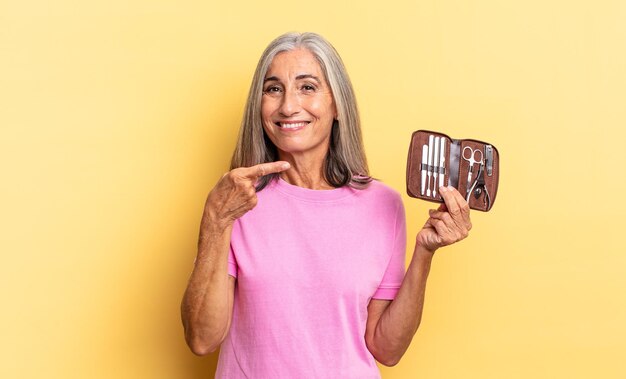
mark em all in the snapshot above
pixel 292 125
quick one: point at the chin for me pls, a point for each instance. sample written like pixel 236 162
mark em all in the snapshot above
pixel 291 149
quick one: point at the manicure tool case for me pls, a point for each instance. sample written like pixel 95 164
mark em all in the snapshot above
pixel 469 165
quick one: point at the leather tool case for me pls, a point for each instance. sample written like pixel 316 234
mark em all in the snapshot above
pixel 470 165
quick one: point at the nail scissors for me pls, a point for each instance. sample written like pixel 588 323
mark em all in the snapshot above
pixel 471 158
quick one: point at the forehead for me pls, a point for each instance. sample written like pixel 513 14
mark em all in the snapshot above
pixel 289 64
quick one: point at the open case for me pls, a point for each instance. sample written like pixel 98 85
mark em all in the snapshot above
pixel 470 165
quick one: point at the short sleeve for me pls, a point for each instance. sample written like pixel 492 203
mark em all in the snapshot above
pixel 232 262
pixel 394 274
pixel 233 268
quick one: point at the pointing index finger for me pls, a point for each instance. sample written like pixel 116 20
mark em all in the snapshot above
pixel 263 169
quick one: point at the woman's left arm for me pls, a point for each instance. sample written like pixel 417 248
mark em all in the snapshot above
pixel 392 324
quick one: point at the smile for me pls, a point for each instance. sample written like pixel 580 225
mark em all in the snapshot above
pixel 292 125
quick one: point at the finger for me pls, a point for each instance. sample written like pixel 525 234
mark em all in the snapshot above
pixel 263 169
pixel 443 216
pixel 456 217
pixel 443 232
pixel 446 228
pixel 455 203
pixel 432 239
pixel 464 220
pixel 243 208
pixel 451 226
pixel 461 201
pixel 447 193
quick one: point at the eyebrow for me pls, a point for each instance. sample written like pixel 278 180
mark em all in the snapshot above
pixel 299 77
pixel 308 76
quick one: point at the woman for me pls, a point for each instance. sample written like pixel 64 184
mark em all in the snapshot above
pixel 300 265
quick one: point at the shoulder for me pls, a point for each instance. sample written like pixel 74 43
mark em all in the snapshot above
pixel 381 193
pixel 378 188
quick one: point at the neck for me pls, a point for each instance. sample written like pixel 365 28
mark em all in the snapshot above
pixel 306 172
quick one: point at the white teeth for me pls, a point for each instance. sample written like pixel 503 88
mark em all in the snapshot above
pixel 292 125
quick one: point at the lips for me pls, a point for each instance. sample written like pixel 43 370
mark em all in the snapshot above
pixel 292 125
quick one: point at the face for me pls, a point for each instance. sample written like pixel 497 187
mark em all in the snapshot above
pixel 297 107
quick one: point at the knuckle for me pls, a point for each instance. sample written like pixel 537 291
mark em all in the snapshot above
pixel 253 200
pixel 232 175
pixel 455 212
pixel 241 182
pixel 457 237
pixel 252 204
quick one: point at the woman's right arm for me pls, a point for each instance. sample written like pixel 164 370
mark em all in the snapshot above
pixel 207 304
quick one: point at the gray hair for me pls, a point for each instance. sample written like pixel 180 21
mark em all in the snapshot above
pixel 345 163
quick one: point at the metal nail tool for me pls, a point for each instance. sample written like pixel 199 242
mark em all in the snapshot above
pixel 424 167
pixel 442 161
pixel 436 167
pixel 489 159
pixel 478 188
pixel 471 159
pixel 431 141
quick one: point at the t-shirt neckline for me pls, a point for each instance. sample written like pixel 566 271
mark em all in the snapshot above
pixel 311 194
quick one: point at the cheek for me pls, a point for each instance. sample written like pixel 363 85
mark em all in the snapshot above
pixel 267 108
pixel 264 110
pixel 323 109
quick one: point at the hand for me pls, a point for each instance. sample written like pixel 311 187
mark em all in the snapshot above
pixel 235 194
pixel 448 224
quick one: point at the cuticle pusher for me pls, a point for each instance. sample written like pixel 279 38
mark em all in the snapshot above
pixel 431 141
pixel 424 167
pixel 442 162
pixel 436 167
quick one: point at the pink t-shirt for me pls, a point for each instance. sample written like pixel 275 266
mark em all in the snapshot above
pixel 307 264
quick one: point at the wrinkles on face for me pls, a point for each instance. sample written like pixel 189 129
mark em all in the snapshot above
pixel 297 105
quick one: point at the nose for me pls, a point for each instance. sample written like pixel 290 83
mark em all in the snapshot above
pixel 290 104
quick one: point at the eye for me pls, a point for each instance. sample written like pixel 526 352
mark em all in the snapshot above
pixel 272 90
pixel 308 88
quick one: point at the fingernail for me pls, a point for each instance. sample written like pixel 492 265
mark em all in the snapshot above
pixel 286 165
pixel 450 188
pixel 443 189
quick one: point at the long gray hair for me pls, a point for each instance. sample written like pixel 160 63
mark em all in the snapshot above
pixel 345 163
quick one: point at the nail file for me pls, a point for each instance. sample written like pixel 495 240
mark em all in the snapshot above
pixel 431 141
pixel 424 167
pixel 436 167
pixel 442 162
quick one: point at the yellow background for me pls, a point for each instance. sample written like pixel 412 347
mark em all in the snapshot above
pixel 118 117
